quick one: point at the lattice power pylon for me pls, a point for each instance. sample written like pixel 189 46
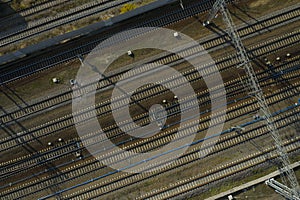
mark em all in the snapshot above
pixel 291 188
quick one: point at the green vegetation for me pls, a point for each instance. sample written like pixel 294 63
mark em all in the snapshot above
pixel 127 7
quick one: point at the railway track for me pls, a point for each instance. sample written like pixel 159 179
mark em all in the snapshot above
pixel 67 121
pixel 16 146
pixel 49 158
pixel 219 173
pixel 66 96
pixel 84 48
pixel 17 22
pixel 98 190
pixel 45 24
pixel 37 8
pixel 96 193
pixel 30 160
pixel 41 5
pixel 22 186
pixel 234 109
pixel 123 180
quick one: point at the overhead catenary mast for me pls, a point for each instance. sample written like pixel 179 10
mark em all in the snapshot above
pixel 290 188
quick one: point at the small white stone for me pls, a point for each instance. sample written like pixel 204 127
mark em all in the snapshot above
pixel 230 197
pixel 206 23
pixel 78 154
pixel 55 80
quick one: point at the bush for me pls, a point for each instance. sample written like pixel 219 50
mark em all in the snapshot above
pixel 127 7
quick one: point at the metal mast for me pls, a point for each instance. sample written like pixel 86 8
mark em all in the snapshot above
pixel 254 89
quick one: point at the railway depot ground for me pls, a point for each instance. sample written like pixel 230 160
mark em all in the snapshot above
pixel 63 170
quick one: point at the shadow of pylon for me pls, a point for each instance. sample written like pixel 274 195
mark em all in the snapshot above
pixel 19 124
pixel 51 168
pixel 10 20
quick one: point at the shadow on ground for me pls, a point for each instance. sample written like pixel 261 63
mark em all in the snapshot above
pixel 10 20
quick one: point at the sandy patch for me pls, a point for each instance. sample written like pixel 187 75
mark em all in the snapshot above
pixel 259 3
